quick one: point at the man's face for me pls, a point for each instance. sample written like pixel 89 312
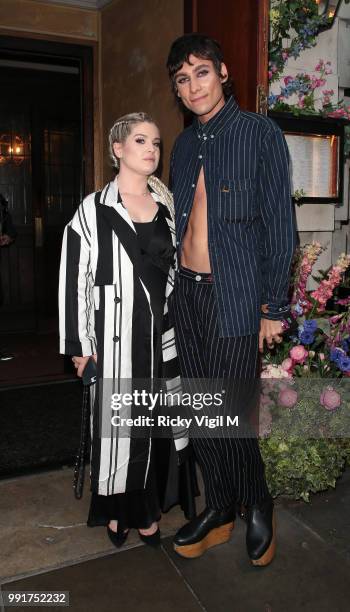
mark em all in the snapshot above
pixel 200 87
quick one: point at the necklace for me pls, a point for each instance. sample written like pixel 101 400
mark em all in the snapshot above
pixel 144 194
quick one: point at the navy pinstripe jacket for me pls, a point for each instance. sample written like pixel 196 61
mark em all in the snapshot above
pixel 251 219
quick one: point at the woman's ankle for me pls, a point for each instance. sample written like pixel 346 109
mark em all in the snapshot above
pixel 150 530
pixel 113 525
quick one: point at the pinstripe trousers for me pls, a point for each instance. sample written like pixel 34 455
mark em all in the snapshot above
pixel 232 468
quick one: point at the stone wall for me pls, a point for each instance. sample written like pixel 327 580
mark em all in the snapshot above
pixel 135 42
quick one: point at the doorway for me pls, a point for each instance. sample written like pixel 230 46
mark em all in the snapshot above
pixel 46 130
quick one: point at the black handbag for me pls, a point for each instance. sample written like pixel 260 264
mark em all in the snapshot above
pixel 89 378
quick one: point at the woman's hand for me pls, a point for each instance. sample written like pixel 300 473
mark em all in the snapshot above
pixel 80 363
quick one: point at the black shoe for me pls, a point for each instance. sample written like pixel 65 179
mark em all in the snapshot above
pixel 208 529
pixel 151 540
pixel 261 532
pixel 117 537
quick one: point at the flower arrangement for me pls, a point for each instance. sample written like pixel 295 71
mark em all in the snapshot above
pixel 299 22
pixel 305 419
pixel 304 87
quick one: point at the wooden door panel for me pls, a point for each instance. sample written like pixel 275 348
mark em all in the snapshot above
pixel 241 27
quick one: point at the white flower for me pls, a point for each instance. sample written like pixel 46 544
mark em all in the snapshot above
pixel 274 371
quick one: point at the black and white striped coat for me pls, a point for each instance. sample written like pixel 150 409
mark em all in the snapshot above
pixel 99 277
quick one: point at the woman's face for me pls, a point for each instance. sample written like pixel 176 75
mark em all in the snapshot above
pixel 141 149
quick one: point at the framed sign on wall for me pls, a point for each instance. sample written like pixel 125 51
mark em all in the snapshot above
pixel 316 148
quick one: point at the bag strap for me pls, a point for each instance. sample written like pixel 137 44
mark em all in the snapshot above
pixel 79 467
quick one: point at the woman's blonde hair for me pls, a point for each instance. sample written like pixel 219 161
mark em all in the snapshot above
pixel 121 129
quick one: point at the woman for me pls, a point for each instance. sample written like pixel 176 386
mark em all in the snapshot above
pixel 117 273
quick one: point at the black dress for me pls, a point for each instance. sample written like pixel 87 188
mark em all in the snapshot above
pixel 167 483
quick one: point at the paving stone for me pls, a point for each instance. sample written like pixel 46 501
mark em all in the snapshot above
pixel 42 525
pixel 328 514
pixel 306 574
pixel 139 579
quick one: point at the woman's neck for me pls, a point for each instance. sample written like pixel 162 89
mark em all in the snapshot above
pixel 130 182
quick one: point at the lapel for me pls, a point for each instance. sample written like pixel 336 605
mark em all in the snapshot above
pixel 111 213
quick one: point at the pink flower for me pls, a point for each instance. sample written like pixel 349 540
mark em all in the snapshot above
pixel 330 399
pixel 287 79
pixel 298 354
pixel 327 286
pixel 333 320
pixel 287 365
pixel 270 74
pixel 287 398
pixel 284 55
pixel 308 256
pixel 321 356
pixel 343 301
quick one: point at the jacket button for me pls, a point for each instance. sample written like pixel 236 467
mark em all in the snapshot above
pixel 116 339
pixel 117 300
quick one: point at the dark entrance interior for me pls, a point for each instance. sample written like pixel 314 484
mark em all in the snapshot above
pixel 45 134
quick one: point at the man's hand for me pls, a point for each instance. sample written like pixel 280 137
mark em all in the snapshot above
pixel 271 331
pixel 5 240
pixel 80 363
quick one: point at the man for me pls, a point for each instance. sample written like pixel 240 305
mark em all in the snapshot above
pixel 236 238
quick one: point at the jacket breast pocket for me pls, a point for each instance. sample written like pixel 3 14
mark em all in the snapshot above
pixel 237 200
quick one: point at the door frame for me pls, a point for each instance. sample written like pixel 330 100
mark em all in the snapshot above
pixel 252 96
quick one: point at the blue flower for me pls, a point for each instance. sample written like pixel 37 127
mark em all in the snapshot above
pixel 306 337
pixel 336 355
pixel 344 363
pixel 310 325
pixel 272 100
pixel 298 308
pixel 346 344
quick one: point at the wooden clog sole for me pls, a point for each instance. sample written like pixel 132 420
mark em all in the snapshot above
pixel 216 536
pixel 269 554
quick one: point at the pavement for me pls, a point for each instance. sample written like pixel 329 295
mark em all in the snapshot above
pixel 46 546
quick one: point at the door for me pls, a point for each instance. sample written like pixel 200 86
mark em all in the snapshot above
pixel 42 117
pixel 241 27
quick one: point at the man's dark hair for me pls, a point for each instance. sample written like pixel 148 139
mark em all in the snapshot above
pixel 201 46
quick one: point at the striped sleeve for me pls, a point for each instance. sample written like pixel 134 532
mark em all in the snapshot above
pixel 75 296
pixel 171 377
pixel 278 219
